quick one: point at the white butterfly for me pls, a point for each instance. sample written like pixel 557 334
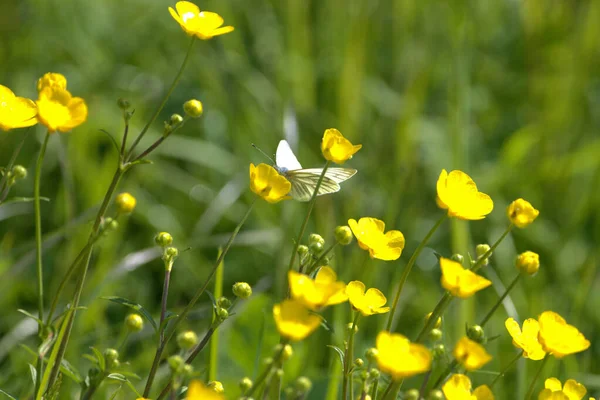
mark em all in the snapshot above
pixel 304 181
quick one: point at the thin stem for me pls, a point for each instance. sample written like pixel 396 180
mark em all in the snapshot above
pixel 150 149
pixel 125 133
pixel 535 378
pixel 435 314
pixel 214 344
pixel 391 392
pixel 318 260
pixel 348 359
pixel 192 302
pixel 488 253
pixel 4 181
pixel 446 372
pixel 311 204
pixel 505 369
pixel 38 251
pixel 164 101
pixel 499 302
pixel 165 295
pixel 374 389
pixel 408 268
pixel 267 370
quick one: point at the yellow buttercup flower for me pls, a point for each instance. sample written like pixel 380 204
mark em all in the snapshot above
pixel 458 387
pixel 58 110
pixel 471 354
pixel 15 112
pixel 459 281
pixel 294 321
pixel 202 24
pixel 369 303
pixel 559 338
pixel 197 391
pixel 369 234
pixel 52 79
pixel 336 147
pixel 554 390
pixel 266 182
pixel 457 193
pixel 521 213
pixel 323 291
pixel 400 358
pixel 526 339
pixel 528 262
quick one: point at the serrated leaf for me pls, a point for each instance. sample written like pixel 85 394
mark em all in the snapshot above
pixel 339 351
pixel 100 358
pixel 137 307
pixel 33 373
pixel 7 395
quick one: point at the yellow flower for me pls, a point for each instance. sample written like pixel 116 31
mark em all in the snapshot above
pixel 15 112
pixel 52 79
pixel 369 303
pixel 294 321
pixel 202 24
pixel 323 291
pixel 369 234
pixel 461 282
pixel 521 213
pixel 457 193
pixel 399 357
pixel 470 354
pixel 197 391
pixel 266 182
pixel 216 386
pixel 58 110
pixel 336 147
pixel 527 339
pixel 559 338
pixel 528 262
pixel 458 387
pixel 553 390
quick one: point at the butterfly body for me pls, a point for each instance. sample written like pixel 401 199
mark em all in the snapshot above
pixel 304 180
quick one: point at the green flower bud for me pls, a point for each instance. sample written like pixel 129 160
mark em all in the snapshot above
pixel 302 250
pixel 374 373
pixel 170 252
pixel 242 290
pixel 279 372
pixel 350 326
pixel 412 394
pixel 286 353
pixel 476 333
pixel 19 172
pixel 315 238
pixel 163 239
pixel 435 395
pixel 267 360
pixel 223 302
pixel 438 323
pixel 458 258
pixel 216 386
pixel 113 364
pixel 193 108
pixel 435 335
pixel 134 322
pixel 316 247
pixel 111 354
pixel 439 350
pixel 176 363
pixel 343 235
pixel 109 225
pixel 123 104
pixel 364 375
pixel 222 314
pixel 481 250
pixel 187 370
pixel 371 354
pixel 175 120
pixel 187 339
pixel 323 262
pixel 303 384
pixel 245 384
pixel 359 362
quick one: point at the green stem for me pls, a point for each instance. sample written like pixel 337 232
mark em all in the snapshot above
pixel 535 378
pixel 391 393
pixel 164 101
pixel 214 344
pixel 446 372
pixel 318 260
pixel 38 252
pixel 408 268
pixel 348 360
pixel 163 303
pixel 435 314
pixel 311 204
pixel 499 302
pixel 192 302
pixel 374 389
pixel 505 369
pixel 488 253
pixel 4 182
pixel 267 371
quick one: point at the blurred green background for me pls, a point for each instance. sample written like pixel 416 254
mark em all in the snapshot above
pixel 508 91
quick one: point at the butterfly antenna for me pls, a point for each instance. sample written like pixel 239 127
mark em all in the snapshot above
pixel 263 153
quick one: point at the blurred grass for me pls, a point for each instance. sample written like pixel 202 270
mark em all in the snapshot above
pixel 507 91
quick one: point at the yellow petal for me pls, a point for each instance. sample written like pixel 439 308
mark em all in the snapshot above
pixel 457 387
pixel 294 321
pixel 553 384
pixel 574 390
pixel 375 298
pixel 483 392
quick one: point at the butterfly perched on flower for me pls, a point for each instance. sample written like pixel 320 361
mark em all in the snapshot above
pixel 304 180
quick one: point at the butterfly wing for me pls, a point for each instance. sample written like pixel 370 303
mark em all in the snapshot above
pixel 285 158
pixel 338 175
pixel 304 184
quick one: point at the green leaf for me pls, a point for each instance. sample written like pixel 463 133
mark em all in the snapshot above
pixel 24 199
pixel 117 377
pixel 100 358
pixel 339 351
pixel 169 316
pixel 27 314
pixel 67 369
pixel 7 395
pixel 33 372
pixel 112 139
pixel 130 375
pixel 140 161
pixel 135 306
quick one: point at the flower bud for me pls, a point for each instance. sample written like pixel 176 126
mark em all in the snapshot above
pixel 267 360
pixel 111 354
pixel 187 339
pixel 315 238
pixel 374 373
pixel 435 335
pixel 93 372
pixel 481 250
pixel 351 326
pixel 109 225
pixel 371 354
pixel 163 239
pixel 175 120
pixel 343 235
pixel 286 353
pixel 223 302
pixel 323 262
pixel 279 372
pixel 123 104
pixel 364 375
pixel 222 314
pixel 316 247
pixel 113 364
pixel 245 384
pixel 302 250
pixel 193 108
pixel 176 363
pixel 242 290
pixel 187 370
pixel 134 322
pixel 458 258
pixel 125 203
pixel 303 384
pixel 216 386
pixel 19 172
pixel 170 253
pixel 412 394
pixel 438 323
pixel 521 213
pixel 528 262
pixel 359 362
pixel 476 333
pixel 435 395
pixel 439 350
